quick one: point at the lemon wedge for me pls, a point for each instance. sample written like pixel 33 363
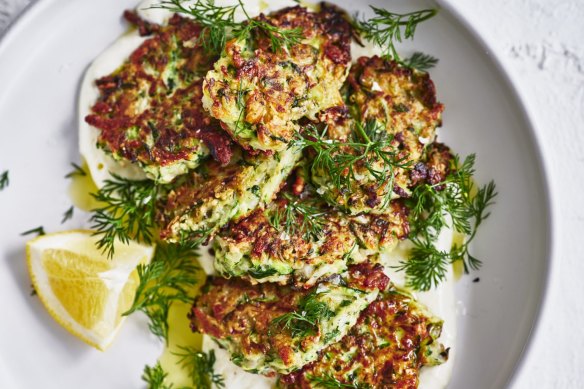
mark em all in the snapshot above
pixel 80 287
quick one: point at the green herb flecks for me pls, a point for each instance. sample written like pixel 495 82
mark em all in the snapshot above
pixel 329 382
pixel 455 202
pixel 68 215
pixel 38 231
pixel 241 126
pixel 4 180
pixel 369 147
pixel 420 61
pixel 219 25
pixel 128 212
pixel 387 28
pixel 299 216
pixel 154 377
pixel 168 278
pixel 261 272
pixel 77 171
pixel 305 319
pixel 202 368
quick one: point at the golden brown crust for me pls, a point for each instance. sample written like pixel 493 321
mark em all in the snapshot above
pixel 437 164
pixel 241 317
pixel 403 102
pixel 198 204
pixel 260 251
pixel 260 94
pixel 192 192
pixel 150 110
pixel 393 338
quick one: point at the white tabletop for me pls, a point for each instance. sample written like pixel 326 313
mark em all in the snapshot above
pixel 541 44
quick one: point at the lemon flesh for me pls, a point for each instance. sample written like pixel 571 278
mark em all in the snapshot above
pixel 80 287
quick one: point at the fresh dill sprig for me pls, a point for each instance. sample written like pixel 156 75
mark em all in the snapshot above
pixel 387 28
pixel 194 238
pixel 127 214
pixel 240 124
pixel 4 180
pixel 455 202
pixel 329 382
pixel 279 38
pixel 426 266
pixel 421 61
pixel 219 25
pixel 216 21
pixel 68 215
pixel 299 216
pixel 77 171
pixel 202 368
pixel 154 377
pixel 305 319
pixel 168 278
pixel 40 230
pixel 369 147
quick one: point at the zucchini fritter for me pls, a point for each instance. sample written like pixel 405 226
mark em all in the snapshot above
pixel 150 112
pixel 259 94
pixel 436 165
pixel 269 328
pixel 200 203
pixel 383 95
pixel 393 338
pixel 259 250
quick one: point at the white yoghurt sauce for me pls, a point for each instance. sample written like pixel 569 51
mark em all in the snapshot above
pixel 440 301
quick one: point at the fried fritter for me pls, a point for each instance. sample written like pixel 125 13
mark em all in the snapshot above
pixel 150 112
pixel 200 203
pixel 397 107
pixel 392 340
pixel 266 247
pixel 259 94
pixel 269 328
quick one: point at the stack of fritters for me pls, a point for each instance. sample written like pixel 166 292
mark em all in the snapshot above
pixel 300 290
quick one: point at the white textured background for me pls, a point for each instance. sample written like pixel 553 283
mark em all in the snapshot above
pixel 541 44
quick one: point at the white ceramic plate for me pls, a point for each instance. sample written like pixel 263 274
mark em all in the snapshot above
pixel 42 59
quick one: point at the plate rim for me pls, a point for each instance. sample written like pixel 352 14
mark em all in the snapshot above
pixel 543 166
pixel 535 133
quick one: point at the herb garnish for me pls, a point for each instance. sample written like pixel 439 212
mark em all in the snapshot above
pixel 38 231
pixel 76 172
pixel 128 212
pixel 154 377
pixel 420 61
pixel 262 272
pixel 4 180
pixel 329 382
pixel 303 216
pixel 386 28
pixel 201 367
pixel 241 126
pixel 305 319
pixel 431 208
pixel 219 25
pixel 169 277
pixel 369 147
pixel 68 214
